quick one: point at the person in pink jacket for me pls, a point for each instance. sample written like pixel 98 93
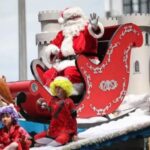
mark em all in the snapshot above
pixel 12 136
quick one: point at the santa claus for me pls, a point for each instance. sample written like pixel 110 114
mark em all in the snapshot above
pixel 78 36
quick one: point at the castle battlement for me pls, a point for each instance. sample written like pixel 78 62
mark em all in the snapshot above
pixel 138 19
pixel 50 25
pixel 136 14
pixel 48 15
pixel 109 21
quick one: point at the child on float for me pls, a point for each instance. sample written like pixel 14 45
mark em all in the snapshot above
pixel 12 136
pixel 63 125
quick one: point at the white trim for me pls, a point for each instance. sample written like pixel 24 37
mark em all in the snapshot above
pixel 96 35
pixel 67 46
pixel 45 55
pixel 46 62
pixel 60 20
pixel 64 64
pixel 73 11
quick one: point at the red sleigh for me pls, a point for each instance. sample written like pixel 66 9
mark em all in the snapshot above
pixel 105 84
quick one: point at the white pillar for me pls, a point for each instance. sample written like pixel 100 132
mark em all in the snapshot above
pixel 22 40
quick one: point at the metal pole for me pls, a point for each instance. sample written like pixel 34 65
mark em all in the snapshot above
pixel 22 40
pixel 111 7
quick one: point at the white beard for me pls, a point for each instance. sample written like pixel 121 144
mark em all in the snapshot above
pixel 71 29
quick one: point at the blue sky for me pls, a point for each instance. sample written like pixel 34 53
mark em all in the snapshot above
pixel 9 29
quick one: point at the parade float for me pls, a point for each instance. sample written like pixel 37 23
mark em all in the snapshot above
pixel 104 109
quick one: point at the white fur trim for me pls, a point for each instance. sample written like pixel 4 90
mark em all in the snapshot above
pixel 61 78
pixel 45 55
pixel 71 27
pixel 69 31
pixel 60 20
pixel 64 64
pixel 96 35
pixel 46 62
pixel 74 27
pixel 72 11
pixel 52 49
pixel 95 61
pixel 67 46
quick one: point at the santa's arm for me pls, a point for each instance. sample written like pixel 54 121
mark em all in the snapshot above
pixel 53 49
pixel 58 39
pixel 55 44
pixel 95 28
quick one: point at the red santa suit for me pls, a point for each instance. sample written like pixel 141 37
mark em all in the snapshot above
pixel 84 43
pixel 15 134
pixel 71 41
pixel 63 125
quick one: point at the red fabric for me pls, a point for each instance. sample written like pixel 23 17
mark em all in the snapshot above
pixel 71 73
pixel 63 138
pixel 64 126
pixel 49 75
pixel 15 134
pixel 110 78
pixel 82 44
pixel 40 135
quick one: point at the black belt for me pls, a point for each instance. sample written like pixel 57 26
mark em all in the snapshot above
pixel 71 57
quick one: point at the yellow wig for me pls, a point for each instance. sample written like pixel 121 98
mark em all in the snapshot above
pixel 62 82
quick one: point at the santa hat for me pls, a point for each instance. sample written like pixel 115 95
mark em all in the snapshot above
pixel 62 82
pixel 66 13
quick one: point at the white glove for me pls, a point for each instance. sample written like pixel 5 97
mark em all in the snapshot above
pixel 54 49
pixel 94 21
pixel 96 29
pixel 49 55
pixel 41 103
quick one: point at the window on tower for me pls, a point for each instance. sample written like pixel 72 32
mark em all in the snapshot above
pixel 137 66
pixel 136 6
pixel 147 39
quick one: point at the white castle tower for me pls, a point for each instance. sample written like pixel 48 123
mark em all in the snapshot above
pixel 139 81
pixel 49 29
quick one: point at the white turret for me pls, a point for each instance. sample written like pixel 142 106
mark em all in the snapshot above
pixel 49 29
pixel 139 81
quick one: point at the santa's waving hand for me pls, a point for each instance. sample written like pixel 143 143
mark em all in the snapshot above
pixel 96 26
